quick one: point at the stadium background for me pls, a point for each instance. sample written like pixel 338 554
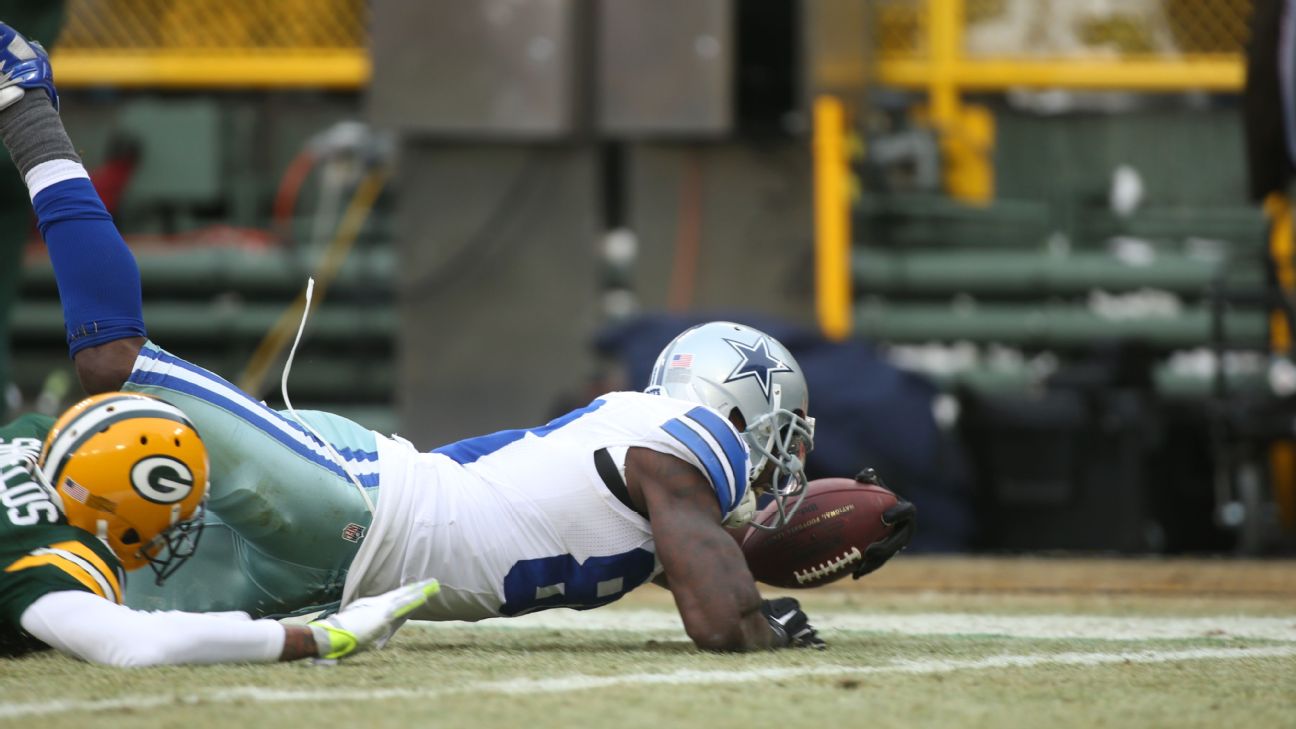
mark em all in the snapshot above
pixel 1011 241
pixel 1014 237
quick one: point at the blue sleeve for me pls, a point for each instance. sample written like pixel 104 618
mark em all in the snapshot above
pixel 98 279
pixel 716 445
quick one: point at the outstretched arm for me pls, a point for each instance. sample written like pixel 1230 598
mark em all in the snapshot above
pixel 97 276
pixel 93 629
pixel 713 589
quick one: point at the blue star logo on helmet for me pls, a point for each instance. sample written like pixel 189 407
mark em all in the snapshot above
pixel 758 364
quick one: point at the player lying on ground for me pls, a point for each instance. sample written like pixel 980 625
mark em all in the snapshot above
pixel 634 487
pixel 132 480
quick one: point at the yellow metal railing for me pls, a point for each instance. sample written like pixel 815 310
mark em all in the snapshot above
pixel 832 219
pixel 214 43
pixel 951 47
pixel 948 48
pixel 1067 29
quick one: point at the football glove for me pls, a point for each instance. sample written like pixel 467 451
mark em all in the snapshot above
pixel 23 65
pixel 790 624
pixel 369 622
pixel 903 518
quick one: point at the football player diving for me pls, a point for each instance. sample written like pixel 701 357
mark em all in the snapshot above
pixel 308 510
pixel 116 483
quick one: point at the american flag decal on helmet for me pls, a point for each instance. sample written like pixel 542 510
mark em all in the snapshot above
pixel 681 360
pixel 75 490
pixel 353 532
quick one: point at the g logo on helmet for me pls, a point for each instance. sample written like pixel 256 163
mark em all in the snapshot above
pixel 161 479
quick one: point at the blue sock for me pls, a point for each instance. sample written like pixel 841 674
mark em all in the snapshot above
pixel 98 279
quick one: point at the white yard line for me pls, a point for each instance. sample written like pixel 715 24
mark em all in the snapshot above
pixel 1088 627
pixel 581 682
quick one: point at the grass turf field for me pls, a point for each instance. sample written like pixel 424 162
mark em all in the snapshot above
pixel 925 642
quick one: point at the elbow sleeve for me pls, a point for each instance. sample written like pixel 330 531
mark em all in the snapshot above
pixel 96 630
pixel 97 276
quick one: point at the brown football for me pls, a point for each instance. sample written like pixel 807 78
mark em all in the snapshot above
pixel 826 538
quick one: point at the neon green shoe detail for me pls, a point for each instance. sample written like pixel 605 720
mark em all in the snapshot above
pixel 340 642
pixel 368 623
pixel 429 589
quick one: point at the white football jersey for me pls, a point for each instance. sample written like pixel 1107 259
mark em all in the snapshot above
pixel 520 520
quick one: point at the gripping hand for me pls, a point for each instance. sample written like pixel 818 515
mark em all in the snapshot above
pixel 903 518
pixel 790 624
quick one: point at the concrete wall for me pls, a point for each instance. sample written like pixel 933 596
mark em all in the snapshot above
pixel 499 291
pixel 500 207
pixel 756 235
pixel 497 285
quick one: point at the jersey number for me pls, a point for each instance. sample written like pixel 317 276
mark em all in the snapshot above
pixel 561 581
pixel 26 502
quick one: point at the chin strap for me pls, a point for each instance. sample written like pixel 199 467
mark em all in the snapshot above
pixel 742 513
pixel 38 474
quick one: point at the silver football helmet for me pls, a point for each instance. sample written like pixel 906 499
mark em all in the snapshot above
pixel 728 367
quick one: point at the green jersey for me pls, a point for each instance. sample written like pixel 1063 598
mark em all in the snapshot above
pixel 40 552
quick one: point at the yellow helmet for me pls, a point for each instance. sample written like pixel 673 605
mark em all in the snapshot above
pixel 130 469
